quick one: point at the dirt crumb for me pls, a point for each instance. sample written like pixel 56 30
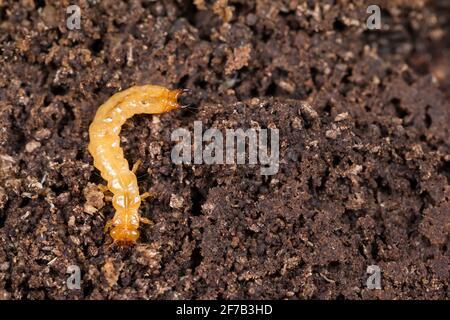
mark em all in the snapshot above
pixel 32 146
pixel 111 271
pixel 176 201
pixel 238 59
pixel 223 10
pixel 148 256
pixel 94 198
pixel 363 173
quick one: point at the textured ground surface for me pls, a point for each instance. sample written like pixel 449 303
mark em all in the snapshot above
pixel 364 146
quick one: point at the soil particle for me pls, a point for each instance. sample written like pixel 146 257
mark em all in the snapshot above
pixel 238 59
pixel 364 171
pixel 222 9
pixel 176 201
pixel 94 198
pixel 111 271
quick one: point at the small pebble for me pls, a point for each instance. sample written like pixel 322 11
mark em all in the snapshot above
pixel 42 134
pixel 176 201
pixel 31 146
pixel 341 117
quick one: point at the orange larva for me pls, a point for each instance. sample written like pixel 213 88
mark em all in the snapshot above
pixel 104 147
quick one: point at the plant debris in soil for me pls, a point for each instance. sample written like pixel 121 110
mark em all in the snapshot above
pixel 364 125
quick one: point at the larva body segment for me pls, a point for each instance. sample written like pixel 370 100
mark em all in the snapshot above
pixel 104 146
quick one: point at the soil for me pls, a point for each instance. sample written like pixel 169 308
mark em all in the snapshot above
pixel 364 175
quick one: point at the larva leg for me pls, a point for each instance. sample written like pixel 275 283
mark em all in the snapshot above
pixel 136 166
pixel 146 195
pixel 108 226
pixel 103 188
pixel 145 221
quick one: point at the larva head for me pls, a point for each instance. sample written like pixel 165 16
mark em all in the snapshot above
pixel 163 99
pixel 172 99
pixel 124 235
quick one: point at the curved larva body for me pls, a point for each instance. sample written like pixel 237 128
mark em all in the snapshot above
pixel 104 147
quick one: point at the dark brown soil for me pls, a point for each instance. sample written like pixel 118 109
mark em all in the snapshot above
pixel 364 126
